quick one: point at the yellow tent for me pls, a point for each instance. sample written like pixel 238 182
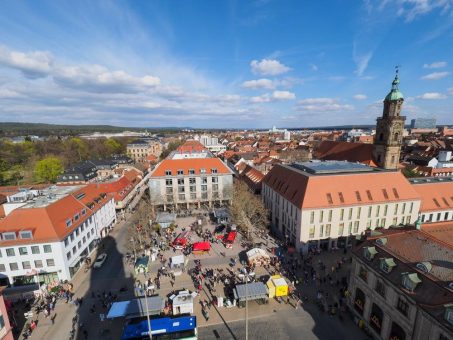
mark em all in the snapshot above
pixel 277 286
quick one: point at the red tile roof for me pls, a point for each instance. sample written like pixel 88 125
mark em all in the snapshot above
pixel 435 196
pixel 344 151
pixel 319 191
pixel 190 163
pixel 191 146
pixel 442 231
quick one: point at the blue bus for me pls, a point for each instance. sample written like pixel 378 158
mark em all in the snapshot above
pixel 174 328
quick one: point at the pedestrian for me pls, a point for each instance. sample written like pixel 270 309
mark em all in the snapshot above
pixel 53 318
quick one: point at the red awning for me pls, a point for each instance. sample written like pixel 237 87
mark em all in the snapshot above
pixel 201 246
pixel 231 236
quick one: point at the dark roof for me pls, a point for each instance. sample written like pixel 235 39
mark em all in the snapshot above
pixel 409 248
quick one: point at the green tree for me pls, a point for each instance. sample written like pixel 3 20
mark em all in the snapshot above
pixel 48 169
pixel 113 146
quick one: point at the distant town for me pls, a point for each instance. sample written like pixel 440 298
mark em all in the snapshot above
pixel 190 234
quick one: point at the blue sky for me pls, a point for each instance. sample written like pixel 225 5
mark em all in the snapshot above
pixel 223 64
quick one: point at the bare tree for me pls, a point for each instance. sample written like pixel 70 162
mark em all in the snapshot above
pixel 247 210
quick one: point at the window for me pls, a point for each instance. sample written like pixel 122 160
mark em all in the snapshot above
pixel 369 211
pixel 192 188
pixel 50 262
pixel 169 190
pixel 312 217
pixel 26 234
pixel 204 188
pixel 368 193
pixel 363 274
pixel 181 189
pixel 396 209
pixel 311 232
pixel 204 180
pixel 329 218
pixel 328 227
pixel 204 195
pixel 386 196
pixel 356 227
pixel 13 266
pixel 84 239
pixel 192 180
pixel 68 255
pixel 386 208
pixel 181 197
pixel 84 211
pixel 329 198
pixel 341 214
pixel 169 198
pixel 341 229
pixel 340 196
pixel 35 250
pixel 395 192
pixel 167 172
pixel 193 195
pixel 321 215
pixel 180 181
pixel 321 230
pixel 79 244
pixel 9 236
pixel 26 265
pixel 10 252
pixel 402 306
pixel 214 170
pixel 77 232
pixel 47 248
pixel 403 209
pixel 350 214
pixel 368 224
pixel 350 228
pixel 168 182
pixel 72 237
pixel 2 267
pixel 203 171
pixel 378 210
pixel 74 250
pixel 215 180
pixel 23 251
pixel 387 265
pixel 180 172
pixel 38 263
pixel 76 217
pixel 68 222
pixel 82 227
pixel 359 210
pixel 191 171
pixel 357 195
pixel 412 207
pixel 380 288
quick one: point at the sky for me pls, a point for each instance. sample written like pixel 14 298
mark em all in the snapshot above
pixel 223 64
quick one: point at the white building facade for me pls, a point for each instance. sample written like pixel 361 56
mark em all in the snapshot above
pixel 324 210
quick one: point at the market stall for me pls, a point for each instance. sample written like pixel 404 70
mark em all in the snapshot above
pixel 258 257
pixel 201 247
pixel 177 264
pixel 277 286
pixel 254 291
pixel 182 302
pixel 165 219
pixel 136 308
pixel 141 265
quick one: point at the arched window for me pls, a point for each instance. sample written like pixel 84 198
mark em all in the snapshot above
pixel 395 137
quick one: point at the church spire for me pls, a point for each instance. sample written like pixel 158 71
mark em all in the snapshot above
pixel 395 93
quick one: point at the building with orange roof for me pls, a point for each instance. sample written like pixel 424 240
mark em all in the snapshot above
pixel 51 232
pixel 190 182
pixel 436 195
pixel 401 285
pixel 325 204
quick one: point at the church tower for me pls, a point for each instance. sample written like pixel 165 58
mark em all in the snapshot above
pixel 389 129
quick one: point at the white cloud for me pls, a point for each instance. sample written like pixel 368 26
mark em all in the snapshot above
pixel 99 78
pixel 7 93
pixel 274 96
pixel 360 96
pixel 313 67
pixel 361 62
pixel 283 95
pixel 411 9
pixel 270 67
pixel 322 105
pixel 435 75
pixel 432 96
pixel 436 64
pixel 262 83
pixel 35 64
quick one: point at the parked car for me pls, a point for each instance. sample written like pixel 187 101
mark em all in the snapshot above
pixel 100 260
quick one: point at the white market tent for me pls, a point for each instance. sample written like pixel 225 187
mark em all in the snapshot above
pixel 256 255
pixel 183 302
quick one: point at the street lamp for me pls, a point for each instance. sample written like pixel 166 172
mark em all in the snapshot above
pixel 246 277
pixel 147 316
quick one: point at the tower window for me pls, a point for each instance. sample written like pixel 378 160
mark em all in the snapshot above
pixel 396 136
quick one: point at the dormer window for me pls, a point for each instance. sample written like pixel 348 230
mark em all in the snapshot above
pixel 424 266
pixel 68 222
pixel 9 236
pixel 167 172
pixel 449 313
pixel 410 281
pixel 381 241
pixel 84 212
pixel 180 172
pixel 203 171
pixel 369 253
pixel 76 217
pixel 191 171
pixel 25 234
pixel 214 170
pixel 387 264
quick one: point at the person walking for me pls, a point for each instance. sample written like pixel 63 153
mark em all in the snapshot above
pixel 53 318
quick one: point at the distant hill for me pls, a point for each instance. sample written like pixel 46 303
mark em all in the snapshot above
pixel 21 129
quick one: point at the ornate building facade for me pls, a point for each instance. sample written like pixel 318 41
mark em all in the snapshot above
pixel 389 129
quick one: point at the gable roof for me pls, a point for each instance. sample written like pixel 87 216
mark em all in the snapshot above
pixel 187 164
pixel 345 151
pixel 435 195
pixel 344 189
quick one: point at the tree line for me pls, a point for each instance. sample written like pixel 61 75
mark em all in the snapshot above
pixel 32 162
